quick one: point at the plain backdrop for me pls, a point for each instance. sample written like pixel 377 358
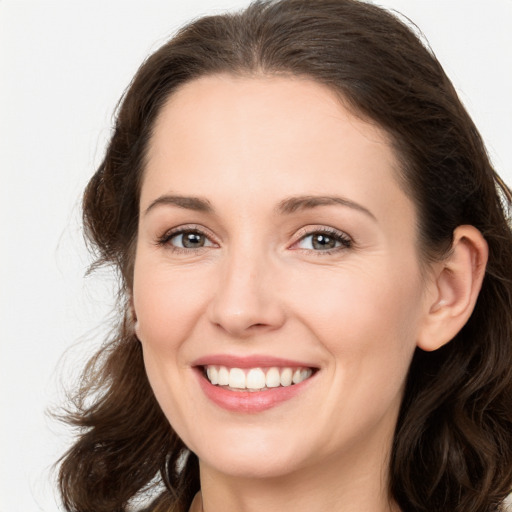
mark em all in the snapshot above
pixel 63 66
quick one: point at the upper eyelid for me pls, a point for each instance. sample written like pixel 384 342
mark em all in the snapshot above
pixel 172 232
pixel 188 227
pixel 311 230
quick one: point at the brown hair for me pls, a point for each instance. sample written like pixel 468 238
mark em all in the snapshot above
pixel 452 449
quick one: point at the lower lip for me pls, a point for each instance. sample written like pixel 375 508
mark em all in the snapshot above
pixel 250 401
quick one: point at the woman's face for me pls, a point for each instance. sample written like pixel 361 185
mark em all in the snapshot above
pixel 275 246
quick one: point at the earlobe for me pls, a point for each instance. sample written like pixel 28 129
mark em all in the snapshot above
pixel 457 282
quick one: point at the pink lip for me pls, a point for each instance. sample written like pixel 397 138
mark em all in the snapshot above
pixel 248 401
pixel 256 361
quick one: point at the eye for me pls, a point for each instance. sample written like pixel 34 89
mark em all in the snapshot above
pixel 186 239
pixel 324 240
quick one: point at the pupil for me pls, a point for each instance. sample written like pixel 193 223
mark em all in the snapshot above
pixel 323 242
pixel 193 240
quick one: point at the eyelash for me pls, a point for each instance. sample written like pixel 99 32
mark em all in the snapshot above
pixel 345 242
pixel 164 240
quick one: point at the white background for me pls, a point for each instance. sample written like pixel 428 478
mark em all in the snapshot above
pixel 63 66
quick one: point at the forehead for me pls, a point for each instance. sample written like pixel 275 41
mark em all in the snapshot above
pixel 275 110
pixel 271 136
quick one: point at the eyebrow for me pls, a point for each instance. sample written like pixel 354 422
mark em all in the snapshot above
pixel 190 203
pixel 286 206
pixel 293 204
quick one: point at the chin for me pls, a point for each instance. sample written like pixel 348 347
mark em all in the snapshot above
pixel 261 467
pixel 251 456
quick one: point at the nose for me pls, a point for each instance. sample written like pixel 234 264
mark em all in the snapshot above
pixel 247 299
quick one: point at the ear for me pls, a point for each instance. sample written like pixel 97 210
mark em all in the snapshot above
pixel 456 283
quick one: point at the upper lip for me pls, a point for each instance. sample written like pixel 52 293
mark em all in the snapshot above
pixel 254 361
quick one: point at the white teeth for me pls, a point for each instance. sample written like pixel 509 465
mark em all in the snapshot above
pixel 223 376
pixel 305 373
pixel 286 377
pixel 236 378
pixel 213 374
pixel 301 374
pixel 273 378
pixel 256 378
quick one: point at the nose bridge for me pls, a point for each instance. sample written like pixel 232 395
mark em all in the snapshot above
pixel 246 299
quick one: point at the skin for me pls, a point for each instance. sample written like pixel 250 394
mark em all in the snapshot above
pixel 259 286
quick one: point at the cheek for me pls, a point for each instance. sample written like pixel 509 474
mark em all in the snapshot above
pixel 168 304
pixel 367 316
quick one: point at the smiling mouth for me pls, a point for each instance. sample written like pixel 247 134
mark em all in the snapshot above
pixel 255 379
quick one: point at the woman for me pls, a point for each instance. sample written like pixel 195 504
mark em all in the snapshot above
pixel 316 283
